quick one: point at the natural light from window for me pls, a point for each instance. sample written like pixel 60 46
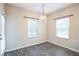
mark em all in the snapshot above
pixel 62 27
pixel 32 25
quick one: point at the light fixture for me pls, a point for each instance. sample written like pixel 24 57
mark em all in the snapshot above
pixel 43 17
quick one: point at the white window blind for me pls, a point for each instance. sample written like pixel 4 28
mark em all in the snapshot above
pixel 62 27
pixel 32 28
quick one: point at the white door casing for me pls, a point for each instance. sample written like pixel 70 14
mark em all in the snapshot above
pixel 2 34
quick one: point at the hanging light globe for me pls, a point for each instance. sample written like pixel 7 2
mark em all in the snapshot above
pixel 43 17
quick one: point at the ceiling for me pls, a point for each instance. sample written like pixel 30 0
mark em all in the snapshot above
pixel 37 7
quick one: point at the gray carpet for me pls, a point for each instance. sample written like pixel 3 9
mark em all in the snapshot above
pixel 43 49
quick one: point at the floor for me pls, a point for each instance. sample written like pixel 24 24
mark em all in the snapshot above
pixel 43 49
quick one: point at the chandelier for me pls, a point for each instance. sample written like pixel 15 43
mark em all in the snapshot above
pixel 43 17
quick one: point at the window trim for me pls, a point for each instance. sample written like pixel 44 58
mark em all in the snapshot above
pixel 69 29
pixel 36 31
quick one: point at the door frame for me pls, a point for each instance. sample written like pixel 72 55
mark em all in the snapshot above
pixel 3 13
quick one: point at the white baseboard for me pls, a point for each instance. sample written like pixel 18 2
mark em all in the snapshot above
pixel 43 42
pixel 23 46
pixel 65 47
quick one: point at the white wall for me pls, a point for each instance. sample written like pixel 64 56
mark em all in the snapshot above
pixel 16 29
pixel 2 7
pixel 73 42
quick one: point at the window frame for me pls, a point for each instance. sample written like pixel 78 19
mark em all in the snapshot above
pixel 37 34
pixel 68 28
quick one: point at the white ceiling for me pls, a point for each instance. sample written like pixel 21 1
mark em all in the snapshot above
pixel 37 7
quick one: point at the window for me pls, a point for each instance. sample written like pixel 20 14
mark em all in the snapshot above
pixel 62 27
pixel 32 28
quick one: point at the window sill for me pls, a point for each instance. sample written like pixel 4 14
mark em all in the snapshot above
pixel 32 37
pixel 63 38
